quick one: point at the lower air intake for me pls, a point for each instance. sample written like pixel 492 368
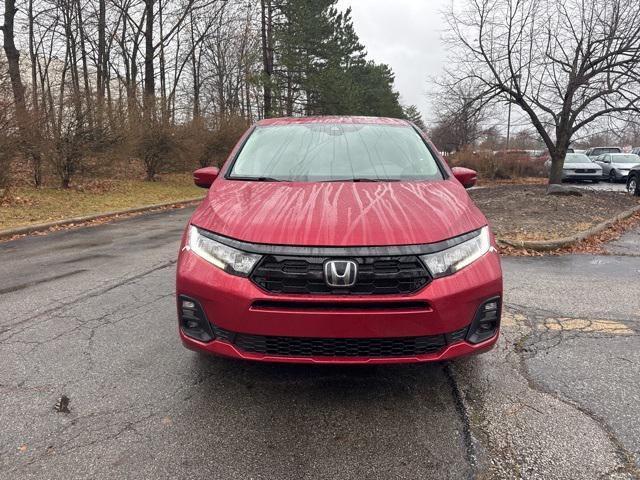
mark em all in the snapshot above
pixel 338 347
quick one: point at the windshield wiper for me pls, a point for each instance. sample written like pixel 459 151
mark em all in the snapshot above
pixel 364 180
pixel 257 179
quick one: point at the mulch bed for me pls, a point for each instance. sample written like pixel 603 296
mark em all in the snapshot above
pixel 525 212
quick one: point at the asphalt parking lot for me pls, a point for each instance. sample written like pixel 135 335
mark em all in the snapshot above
pixel 90 314
pixel 601 186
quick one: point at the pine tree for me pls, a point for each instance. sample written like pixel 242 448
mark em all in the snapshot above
pixel 412 114
pixel 320 65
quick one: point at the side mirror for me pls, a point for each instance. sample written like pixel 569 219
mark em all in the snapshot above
pixel 204 177
pixel 465 176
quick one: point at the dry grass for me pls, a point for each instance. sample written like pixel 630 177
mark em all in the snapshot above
pixel 27 206
pixel 501 167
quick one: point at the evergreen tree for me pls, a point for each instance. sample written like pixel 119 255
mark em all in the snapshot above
pixel 320 65
pixel 412 114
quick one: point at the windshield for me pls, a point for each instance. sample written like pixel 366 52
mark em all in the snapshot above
pixel 630 158
pixel 576 158
pixel 335 152
pixel 602 151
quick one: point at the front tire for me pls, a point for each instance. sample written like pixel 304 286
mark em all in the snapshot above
pixel 633 187
pixel 612 177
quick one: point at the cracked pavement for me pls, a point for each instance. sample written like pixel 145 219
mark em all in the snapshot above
pixel 90 314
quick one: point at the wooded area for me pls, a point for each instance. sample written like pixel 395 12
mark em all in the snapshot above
pixel 172 84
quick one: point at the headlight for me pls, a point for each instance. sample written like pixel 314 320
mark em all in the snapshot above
pixel 453 259
pixel 227 258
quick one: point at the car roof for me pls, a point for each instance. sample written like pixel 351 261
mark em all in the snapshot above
pixel 349 120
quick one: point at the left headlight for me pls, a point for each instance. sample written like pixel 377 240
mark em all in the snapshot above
pixel 229 259
pixel 451 260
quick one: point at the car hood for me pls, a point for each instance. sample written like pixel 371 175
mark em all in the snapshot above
pixel 623 166
pixel 584 165
pixel 338 214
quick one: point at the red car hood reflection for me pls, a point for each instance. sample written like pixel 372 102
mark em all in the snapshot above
pixel 338 214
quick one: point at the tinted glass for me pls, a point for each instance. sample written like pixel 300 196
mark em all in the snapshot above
pixel 602 151
pixel 334 152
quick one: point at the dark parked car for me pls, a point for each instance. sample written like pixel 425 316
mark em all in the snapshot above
pixel 338 240
pixel 633 181
pixel 597 151
pixel 636 151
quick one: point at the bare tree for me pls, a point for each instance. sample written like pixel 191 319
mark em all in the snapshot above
pixel 267 52
pixel 13 57
pixel 463 109
pixel 566 64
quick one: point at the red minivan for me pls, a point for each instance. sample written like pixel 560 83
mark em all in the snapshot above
pixel 338 240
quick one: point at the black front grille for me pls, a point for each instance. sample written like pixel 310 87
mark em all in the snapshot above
pixel 339 347
pixel 342 306
pixel 584 170
pixel 376 275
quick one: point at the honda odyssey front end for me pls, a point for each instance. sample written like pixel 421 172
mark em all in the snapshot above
pixel 338 240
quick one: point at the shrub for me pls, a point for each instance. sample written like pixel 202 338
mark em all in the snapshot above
pixel 6 149
pixel 500 165
pixel 222 140
pixel 68 153
pixel 155 145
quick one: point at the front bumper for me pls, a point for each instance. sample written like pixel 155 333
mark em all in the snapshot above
pixel 582 176
pixel 621 175
pixel 443 309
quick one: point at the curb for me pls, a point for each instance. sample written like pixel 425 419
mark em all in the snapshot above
pixel 546 245
pixel 88 218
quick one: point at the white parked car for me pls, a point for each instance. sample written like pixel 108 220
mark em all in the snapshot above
pixel 577 166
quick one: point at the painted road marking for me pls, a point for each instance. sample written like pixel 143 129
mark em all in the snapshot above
pixel 563 324
pixel 610 327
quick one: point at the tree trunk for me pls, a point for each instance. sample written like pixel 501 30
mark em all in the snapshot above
pixel 149 74
pixel 13 59
pixel 162 65
pixel 36 158
pixel 557 162
pixel 32 57
pixel 101 72
pixel 267 54
pixel 85 68
pixel 558 154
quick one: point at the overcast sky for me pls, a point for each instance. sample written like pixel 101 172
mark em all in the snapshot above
pixel 405 34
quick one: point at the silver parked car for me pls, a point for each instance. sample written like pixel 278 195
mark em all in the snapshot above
pixel 616 166
pixel 594 152
pixel 577 166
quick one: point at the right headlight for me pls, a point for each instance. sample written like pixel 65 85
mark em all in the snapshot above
pixel 451 260
pixel 229 259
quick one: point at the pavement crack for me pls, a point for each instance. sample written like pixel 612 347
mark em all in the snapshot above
pixel 470 449
pixel 624 455
pixel 89 295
